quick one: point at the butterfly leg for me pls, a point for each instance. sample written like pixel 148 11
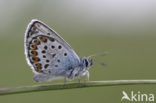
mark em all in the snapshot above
pixel 87 77
pixel 79 81
pixel 65 81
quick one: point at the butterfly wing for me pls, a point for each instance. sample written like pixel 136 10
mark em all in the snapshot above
pixel 45 49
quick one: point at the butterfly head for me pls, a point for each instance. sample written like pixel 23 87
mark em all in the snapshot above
pixel 87 62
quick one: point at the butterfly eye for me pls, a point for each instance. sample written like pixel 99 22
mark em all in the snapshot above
pixel 86 63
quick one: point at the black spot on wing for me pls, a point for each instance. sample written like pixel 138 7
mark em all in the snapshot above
pixel 53 55
pixel 65 54
pixel 58 60
pixel 43 51
pixel 59 47
pixel 52 46
pixel 47 60
pixel 45 47
pixel 44 56
pixel 51 39
pixel 46 65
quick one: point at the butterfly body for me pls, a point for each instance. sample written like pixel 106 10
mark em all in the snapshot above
pixel 50 56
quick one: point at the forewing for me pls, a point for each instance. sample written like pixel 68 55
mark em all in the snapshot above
pixel 45 49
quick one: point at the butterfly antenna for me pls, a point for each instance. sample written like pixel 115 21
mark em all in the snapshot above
pixel 101 63
pixel 98 54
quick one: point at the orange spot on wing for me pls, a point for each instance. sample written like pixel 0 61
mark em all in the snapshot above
pixel 43 39
pixel 35 45
pixel 34 53
pixel 36 59
pixel 39 69
pixel 37 42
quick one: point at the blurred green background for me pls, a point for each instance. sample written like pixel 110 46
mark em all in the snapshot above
pixel 124 28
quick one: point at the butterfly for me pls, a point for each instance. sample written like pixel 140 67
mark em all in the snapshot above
pixel 50 56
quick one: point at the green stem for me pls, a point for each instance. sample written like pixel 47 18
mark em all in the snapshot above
pixel 46 87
